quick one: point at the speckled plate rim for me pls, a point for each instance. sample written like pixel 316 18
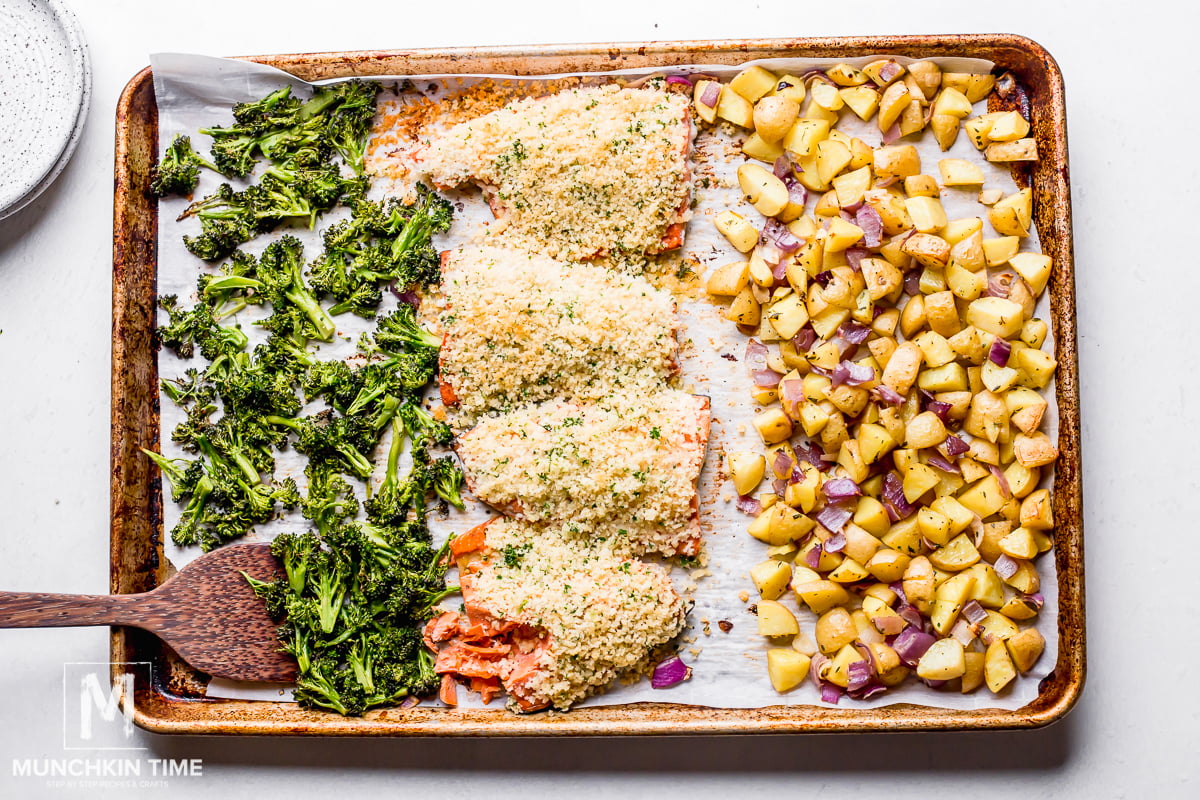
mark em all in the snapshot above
pixel 83 68
pixel 173 700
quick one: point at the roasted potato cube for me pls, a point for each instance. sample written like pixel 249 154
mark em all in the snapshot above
pixel 1025 648
pixel 786 668
pixel 902 367
pixel 706 112
pixel 956 556
pixel 1034 451
pixel 737 229
pixel 1034 268
pixel 983 497
pixel 834 630
pixel 744 310
pixel 883 71
pixel 920 186
pixel 943 661
pixel 918 583
pixel 1019 150
pixel 898 160
pixel 888 565
pixel 948 600
pixel 771 578
pixel 924 430
pixel 927 215
pixel 945 129
pixel 820 595
pixel 881 277
pixel 842 234
pixel 774 619
pixel 929 250
pixel 759 148
pixel 1036 512
pixel 774 116
pixel 728 280
pixel 972 677
pixel 862 100
pixel 959 172
pixel 1013 215
pixel 892 104
pixel 998 668
pixel 766 193
pixel 804 136
pixel 996 315
pixel 974 86
pixel 736 109
pixel 850 187
pixel 746 470
pixel 1008 126
pixel 753 82
pixel 773 426
pixel 871 516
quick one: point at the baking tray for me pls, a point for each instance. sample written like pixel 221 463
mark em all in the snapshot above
pixel 172 700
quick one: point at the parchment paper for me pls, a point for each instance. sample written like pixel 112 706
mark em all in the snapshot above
pixel 729 668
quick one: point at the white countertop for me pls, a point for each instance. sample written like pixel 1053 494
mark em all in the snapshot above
pixel 1130 82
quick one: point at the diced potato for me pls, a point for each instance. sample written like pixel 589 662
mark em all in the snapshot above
pixel 928 249
pixel 736 109
pixel 924 430
pixel 942 315
pixel 1037 365
pixel 1036 511
pixel 920 186
pixel 959 172
pixel 832 157
pixel 883 71
pixel 757 147
pixel 948 600
pixel 892 104
pixel 842 234
pixel 771 578
pixel 1019 544
pixel 927 76
pixel 1019 150
pixel 788 315
pixel 956 556
pixel 962 282
pixel 999 251
pixel 998 668
pixel 962 229
pixel 934 346
pixel 706 112
pixel 983 497
pixel 1034 451
pixel 820 595
pixel 975 86
pixel 977 129
pixel 1021 479
pixel 862 100
pixel 1034 332
pixel 927 214
pixel 989 589
pixel 789 86
pixel 746 470
pixel 774 116
pixel 952 102
pixel 946 378
pixel 1019 608
pixel 918 480
pixel 871 516
pixel 898 160
pixel 774 619
pixel 888 565
pixel 996 315
pixel 744 310
pixel 786 668
pixel 943 661
pixel 850 187
pixel 839 666
pixel 773 425
pixel 1013 215
pixel 728 280
pixel 826 96
pixel 1034 268
pixel 846 75
pixel 737 229
pixel 834 630
pixel 766 193
pixel 804 136
pixel 753 82
pixel 881 277
pixel 918 583
pixel 1025 648
pixel 972 677
pixel 1008 126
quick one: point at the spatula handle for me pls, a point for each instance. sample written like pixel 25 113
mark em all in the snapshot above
pixel 42 610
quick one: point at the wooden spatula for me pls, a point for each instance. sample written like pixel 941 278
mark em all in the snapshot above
pixel 207 613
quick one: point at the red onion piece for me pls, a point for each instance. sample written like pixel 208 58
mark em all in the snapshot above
pixel 782 167
pixel 766 378
pixel 756 356
pixel 1005 489
pixel 962 632
pixel 1034 601
pixel 938 407
pixel 835 543
pixel 834 518
pixel 710 95
pixel 852 374
pixel 410 701
pixel 797 194
pixel 768 252
pixel 867 692
pixel 999 352
pixel 888 395
pixel 973 612
pixel 936 460
pixel 889 625
pixel 853 332
pixel 780 487
pixel 998 285
pixel 830 693
pixel 405 296
pixel 1005 85
pixel 955 446
pixel 841 489
pixel 671 672
pixel 1006 567
pixel 911 644
pixel 898 588
pixel 779 272
pixel 846 215
pixel 912 283
pixel 823 278
pixel 889 71
pixel 883 183
pixel 854 257
pixel 861 673
pixel 791 395
pixel 813 455
pixel 869 220
pixel 910 615
pixel 748 504
pixel 805 338
pixel 813 557
pixel 893 493
pixel 840 374
pixel 678 80
pixel 783 463
pixel 892 134
pixel 819 75
pixel 778 234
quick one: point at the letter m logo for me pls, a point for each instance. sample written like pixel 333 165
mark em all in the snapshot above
pixel 98 711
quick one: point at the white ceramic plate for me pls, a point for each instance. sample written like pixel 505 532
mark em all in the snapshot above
pixel 45 83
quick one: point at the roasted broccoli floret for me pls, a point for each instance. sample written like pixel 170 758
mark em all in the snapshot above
pixel 178 171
